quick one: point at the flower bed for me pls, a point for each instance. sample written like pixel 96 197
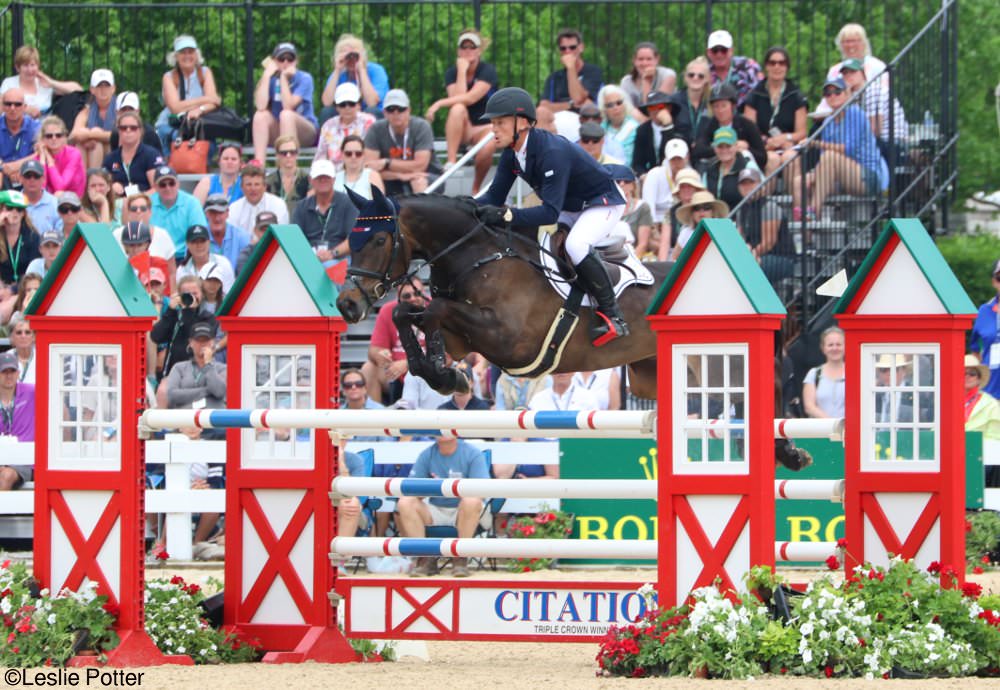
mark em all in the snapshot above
pixel 878 622
pixel 548 524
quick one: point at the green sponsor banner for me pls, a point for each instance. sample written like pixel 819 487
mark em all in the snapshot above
pixel 636 459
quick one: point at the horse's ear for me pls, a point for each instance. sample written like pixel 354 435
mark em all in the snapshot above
pixel 359 201
pixel 380 200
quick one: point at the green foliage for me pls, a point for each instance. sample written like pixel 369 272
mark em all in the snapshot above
pixel 548 524
pixel 371 650
pixel 978 67
pixel 971 258
pixel 982 537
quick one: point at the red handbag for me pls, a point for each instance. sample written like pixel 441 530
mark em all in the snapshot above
pixel 190 155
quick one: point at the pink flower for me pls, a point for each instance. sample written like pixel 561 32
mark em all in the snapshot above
pixel 543 518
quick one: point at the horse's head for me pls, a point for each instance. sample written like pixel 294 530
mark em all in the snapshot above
pixel 378 257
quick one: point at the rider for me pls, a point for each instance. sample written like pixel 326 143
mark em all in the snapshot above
pixel 574 188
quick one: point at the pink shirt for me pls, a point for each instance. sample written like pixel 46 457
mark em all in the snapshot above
pixel 67 174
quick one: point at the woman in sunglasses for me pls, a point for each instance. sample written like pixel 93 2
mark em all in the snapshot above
pixel 19 245
pixel 618 118
pixel 289 182
pixel 133 163
pixel 63 163
pixel 849 157
pixel 354 175
pixel 349 120
pixel 693 98
pixel 779 109
pixel 284 101
pixel 647 76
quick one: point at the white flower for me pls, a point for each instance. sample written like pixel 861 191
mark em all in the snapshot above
pixel 807 628
pixel 51 619
pixel 807 655
pixel 180 650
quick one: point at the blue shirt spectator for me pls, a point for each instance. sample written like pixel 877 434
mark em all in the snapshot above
pixel 19 145
pixel 467 462
pixel 44 215
pixel 301 85
pixel 175 210
pixel 377 75
pixel 854 132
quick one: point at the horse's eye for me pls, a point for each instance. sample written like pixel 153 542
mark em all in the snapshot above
pixel 380 241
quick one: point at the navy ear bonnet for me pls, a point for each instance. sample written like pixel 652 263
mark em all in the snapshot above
pixel 377 215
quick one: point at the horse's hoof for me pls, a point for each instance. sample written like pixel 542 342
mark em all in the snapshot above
pixel 795 459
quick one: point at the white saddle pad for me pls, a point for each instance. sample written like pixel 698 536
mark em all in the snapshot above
pixel 632 272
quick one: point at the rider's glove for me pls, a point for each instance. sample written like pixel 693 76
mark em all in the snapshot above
pixel 497 216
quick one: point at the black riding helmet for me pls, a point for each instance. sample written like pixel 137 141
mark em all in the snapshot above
pixel 510 101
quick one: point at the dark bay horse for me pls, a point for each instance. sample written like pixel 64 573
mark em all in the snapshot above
pixel 489 293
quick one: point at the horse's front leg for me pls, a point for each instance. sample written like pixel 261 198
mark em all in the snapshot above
pixel 405 318
pixel 431 366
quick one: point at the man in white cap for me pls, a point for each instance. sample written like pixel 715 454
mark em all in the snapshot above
pixel 350 119
pixel 740 71
pixel 128 102
pixel 326 217
pixel 658 187
pixel 400 147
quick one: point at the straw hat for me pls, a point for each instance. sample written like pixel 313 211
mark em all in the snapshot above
pixel 721 209
pixel 887 361
pixel 972 362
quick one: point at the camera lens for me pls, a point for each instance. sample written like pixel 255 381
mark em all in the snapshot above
pixel 352 56
pixel 187 299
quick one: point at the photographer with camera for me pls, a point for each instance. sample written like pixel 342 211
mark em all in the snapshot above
pixel 351 66
pixel 175 326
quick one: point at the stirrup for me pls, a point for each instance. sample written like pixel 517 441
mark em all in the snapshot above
pixel 607 329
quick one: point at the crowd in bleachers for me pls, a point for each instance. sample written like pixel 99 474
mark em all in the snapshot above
pixel 682 146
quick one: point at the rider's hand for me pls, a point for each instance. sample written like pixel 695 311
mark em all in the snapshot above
pixel 494 215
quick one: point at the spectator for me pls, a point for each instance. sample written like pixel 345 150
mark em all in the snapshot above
pixel 128 102
pixel 693 98
pixel 13 306
pixel 326 217
pixel 651 136
pixel 187 89
pixel 17 404
pixel 823 388
pixel 174 209
pixel 18 132
pixel 765 228
pixel 201 262
pixel 136 238
pixel 564 394
pixel 852 42
pixel 515 392
pixel 573 85
pixel 99 204
pixel 723 104
pixel 984 340
pixel 173 328
pixel 386 358
pixel 22 338
pixel 41 205
pixel 982 412
pixel 701 206
pixel 350 517
pixel 636 225
pixel 93 125
pixel 722 174
pixel 255 200
pixel 227 181
pixel 592 141
pixel 445 458
pixel 658 188
pixel 686 183
pixel 69 209
pixel 49 244
pixel 63 163
pixel 225 238
pixel 262 222
pixel 354 388
pixel 469 83
pixel 351 66
pixel 354 175
pixel 400 147
pixel 647 76
pixel 20 245
pixel 781 126
pixel 741 72
pixel 36 86
pixel 875 103
pixel 288 181
pixel 618 119
pixel 133 164
pixel 605 384
pixel 417 394
pixel 283 98
pixel 849 156
pixel 350 120
pixel 139 209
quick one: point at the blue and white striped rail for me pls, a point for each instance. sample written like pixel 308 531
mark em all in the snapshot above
pixel 625 549
pixel 452 423
pixel 788 489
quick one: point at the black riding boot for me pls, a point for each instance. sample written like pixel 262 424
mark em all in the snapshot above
pixel 608 322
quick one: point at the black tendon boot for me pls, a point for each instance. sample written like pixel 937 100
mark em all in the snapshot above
pixel 608 322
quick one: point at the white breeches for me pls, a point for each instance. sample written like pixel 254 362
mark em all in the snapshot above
pixel 589 227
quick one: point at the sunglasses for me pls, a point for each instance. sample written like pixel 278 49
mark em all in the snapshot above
pixel 353 154
pixel 566 48
pixel 777 63
pixel 717 50
pixel 395 109
pixel 613 104
pixel 285 58
pixel 467 46
pixel 166 183
pixel 353 384
pixel 128 128
pixel 832 91
pixel 589 140
pixel 138 209
pixel 973 372
pixel 348 104
pixel 13 104
pixel 31 176
pixel 696 75
pixel 54 135
pixel 69 209
pixel 704 208
pixel 289 152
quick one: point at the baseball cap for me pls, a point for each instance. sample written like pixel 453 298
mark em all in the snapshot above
pixel 837 82
pixel 99 76
pixel 469 36
pixel 724 135
pixel 720 39
pixel 396 97
pixel 136 232
pixel 162 172
pixel 688 176
pixel 219 270
pixel 321 168
pixel 620 173
pixel 589 110
pixel 723 92
pixel 217 202
pixel 157 275
pixel 68 198
pixel 13 199
pixel 591 130
pixel 196 232
pixel 202 329
pixel 51 237
pixel 265 218
pixel 752 174
pixel 852 64
pixel 184 42
pixel 676 148
pixel 285 48
pixel 32 166
pixel 348 92
pixel 127 99
pixel 8 360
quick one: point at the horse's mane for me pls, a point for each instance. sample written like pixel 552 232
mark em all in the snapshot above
pixel 457 203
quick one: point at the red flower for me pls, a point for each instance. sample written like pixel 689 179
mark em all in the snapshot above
pixel 842 543
pixel 972 589
pixel 543 518
pixel 177 580
pixel 5 564
pixel 528 530
pixel 11 638
pixel 832 563
pixel 6 593
pixel 934 568
pixel 784 670
pixel 192 589
pixel 162 555
pixel 968 526
pixel 861 642
pixel 985 560
pixel 828 671
pixel 977 570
